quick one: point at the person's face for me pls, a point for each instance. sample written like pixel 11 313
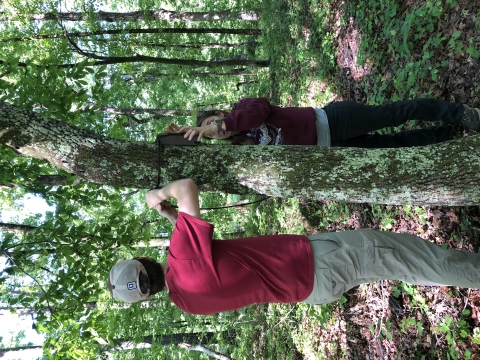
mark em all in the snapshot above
pixel 222 134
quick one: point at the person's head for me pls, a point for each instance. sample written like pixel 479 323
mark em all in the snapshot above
pixel 206 117
pixel 136 279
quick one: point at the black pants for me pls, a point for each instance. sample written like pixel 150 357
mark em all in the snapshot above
pixel 350 122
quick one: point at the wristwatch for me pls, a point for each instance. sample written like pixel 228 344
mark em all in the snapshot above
pixel 219 123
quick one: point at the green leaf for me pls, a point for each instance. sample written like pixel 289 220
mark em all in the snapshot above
pixel 456 34
pixel 420 329
pixel 472 51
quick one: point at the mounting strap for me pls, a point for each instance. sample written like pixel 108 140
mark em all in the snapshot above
pixel 170 139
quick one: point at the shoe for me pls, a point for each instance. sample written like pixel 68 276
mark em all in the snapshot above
pixel 471 118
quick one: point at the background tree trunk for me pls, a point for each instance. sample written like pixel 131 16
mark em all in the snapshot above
pixel 165 340
pixel 166 15
pixel 155 242
pixel 16 228
pixel 151 59
pixel 422 175
pixel 137 31
pixel 139 111
pixel 151 76
pixel 205 350
pixel 19 348
pixel 196 46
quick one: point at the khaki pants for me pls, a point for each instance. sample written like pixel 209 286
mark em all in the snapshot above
pixel 345 259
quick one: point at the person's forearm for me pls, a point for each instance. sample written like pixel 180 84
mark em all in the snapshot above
pixel 169 191
pixel 172 218
pixel 186 193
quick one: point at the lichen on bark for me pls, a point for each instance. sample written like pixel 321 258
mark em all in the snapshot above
pixel 447 173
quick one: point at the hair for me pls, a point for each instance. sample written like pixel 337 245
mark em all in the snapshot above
pixel 202 115
pixel 233 140
pixel 155 281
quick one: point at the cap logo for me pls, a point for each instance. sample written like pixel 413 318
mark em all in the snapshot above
pixel 132 285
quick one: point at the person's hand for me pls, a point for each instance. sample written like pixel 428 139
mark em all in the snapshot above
pixel 152 198
pixel 173 129
pixel 167 210
pixel 208 130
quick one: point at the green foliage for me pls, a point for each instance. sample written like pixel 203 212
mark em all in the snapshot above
pixel 59 269
pixel 332 213
pixel 455 333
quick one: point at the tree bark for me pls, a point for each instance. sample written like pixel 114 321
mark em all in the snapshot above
pixel 16 228
pixel 22 228
pixel 165 340
pixel 110 60
pixel 54 180
pixel 22 311
pixel 172 16
pixel 154 242
pixel 150 76
pixel 138 111
pixel 196 46
pixel 136 31
pixel 45 180
pixel 422 175
pixel 17 292
pixel 19 348
pixel 205 350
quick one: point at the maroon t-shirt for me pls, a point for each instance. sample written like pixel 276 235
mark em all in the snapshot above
pixel 267 124
pixel 208 276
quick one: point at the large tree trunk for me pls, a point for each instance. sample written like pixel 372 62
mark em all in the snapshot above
pixel 137 31
pixel 447 173
pixel 161 14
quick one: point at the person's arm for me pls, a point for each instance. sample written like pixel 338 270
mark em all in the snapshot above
pixel 186 193
pixel 168 211
pixel 249 113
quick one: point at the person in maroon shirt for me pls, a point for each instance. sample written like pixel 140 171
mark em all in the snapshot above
pixel 254 121
pixel 205 276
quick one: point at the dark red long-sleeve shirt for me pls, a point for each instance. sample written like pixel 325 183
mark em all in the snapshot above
pixel 266 124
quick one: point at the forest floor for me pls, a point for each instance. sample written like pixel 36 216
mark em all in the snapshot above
pixel 456 81
pixel 392 51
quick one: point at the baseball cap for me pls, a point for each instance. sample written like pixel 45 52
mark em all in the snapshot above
pixel 124 281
